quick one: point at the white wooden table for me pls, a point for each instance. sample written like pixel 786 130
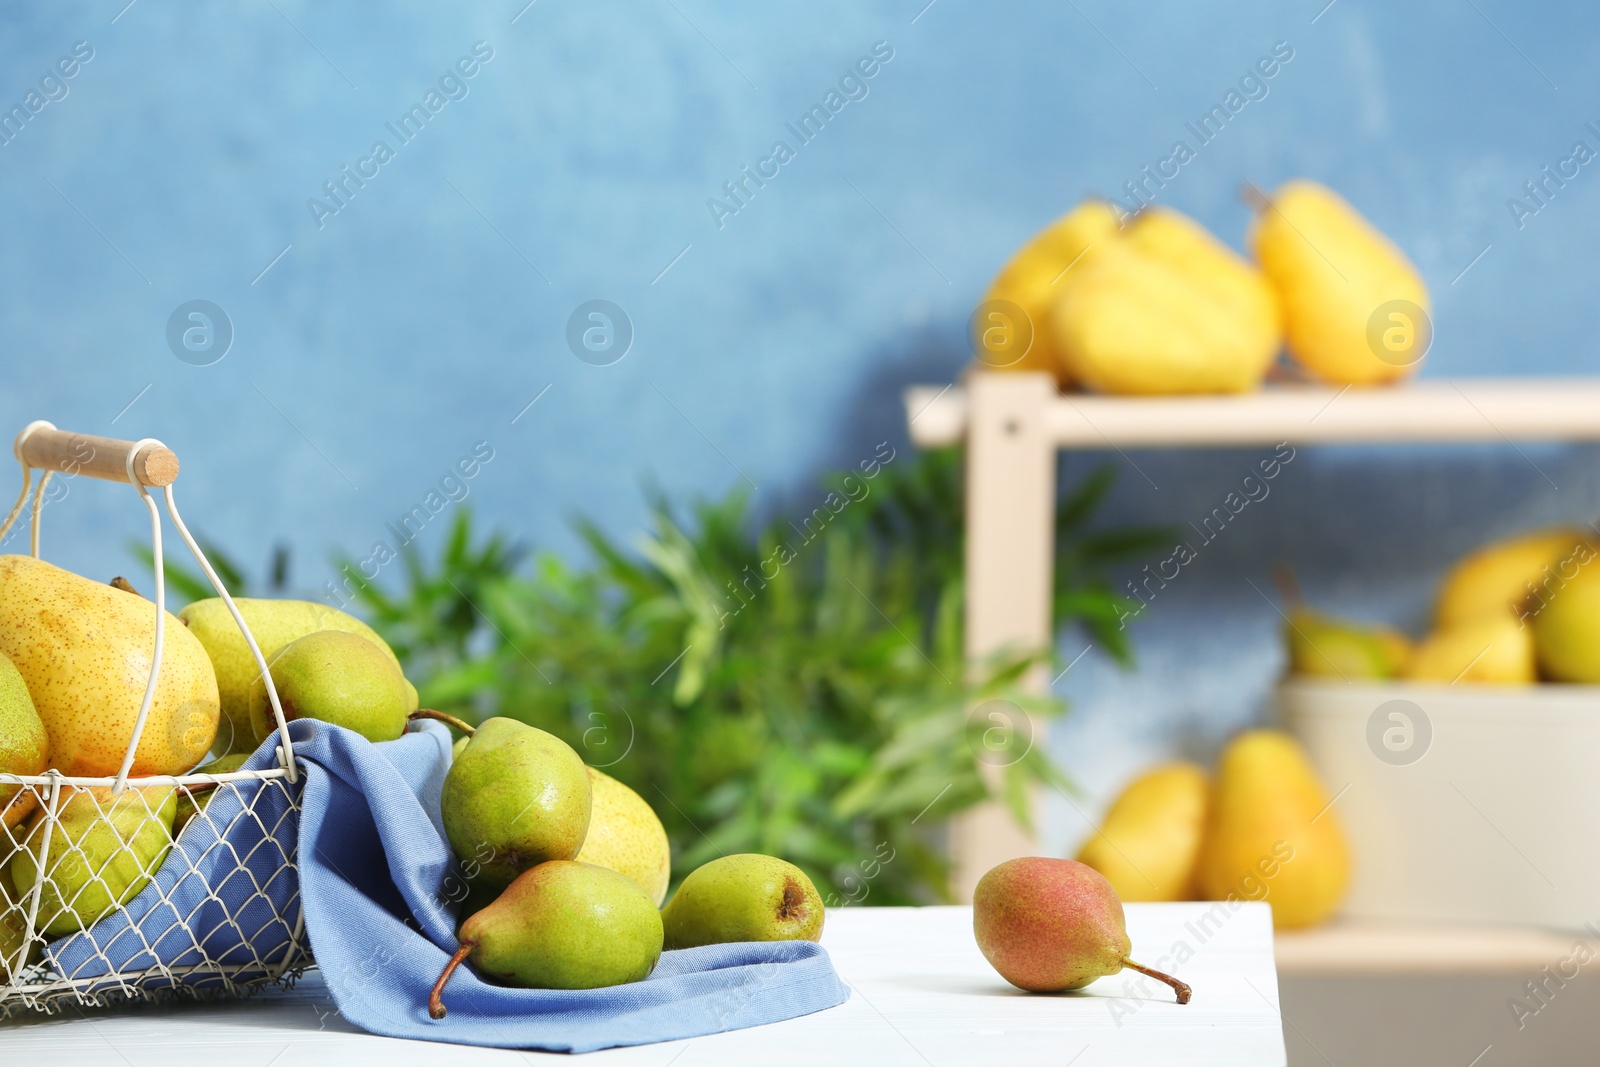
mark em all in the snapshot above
pixel 921 996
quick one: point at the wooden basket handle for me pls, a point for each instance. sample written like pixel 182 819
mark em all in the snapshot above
pixel 43 447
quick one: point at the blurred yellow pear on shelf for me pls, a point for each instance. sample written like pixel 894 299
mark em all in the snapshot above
pixel 1029 284
pixel 1166 309
pixel 1355 310
pixel 626 835
pixel 1273 833
pixel 1489 650
pixel 1566 627
pixel 1507 575
pixel 1150 839
pixel 85 649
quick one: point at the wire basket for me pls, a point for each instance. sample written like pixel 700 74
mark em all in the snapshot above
pixel 99 900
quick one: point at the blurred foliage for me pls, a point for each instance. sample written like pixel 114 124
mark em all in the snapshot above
pixel 794 686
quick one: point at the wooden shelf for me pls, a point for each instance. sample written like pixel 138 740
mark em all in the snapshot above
pixel 1371 948
pixel 1015 424
pixel 1472 409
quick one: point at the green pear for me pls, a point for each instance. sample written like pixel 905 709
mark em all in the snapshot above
pixel 746 897
pixel 514 798
pixel 195 797
pixel 1050 925
pixel 103 849
pixel 341 678
pixel 1324 646
pixel 274 623
pixel 561 925
pixel 13 933
pixel 84 651
pixel 24 745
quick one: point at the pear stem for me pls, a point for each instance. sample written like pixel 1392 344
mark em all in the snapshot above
pixel 436 1008
pixel 1182 988
pixel 1254 197
pixel 1288 584
pixel 119 582
pixel 444 717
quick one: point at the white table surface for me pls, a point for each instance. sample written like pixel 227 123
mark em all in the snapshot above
pixel 921 996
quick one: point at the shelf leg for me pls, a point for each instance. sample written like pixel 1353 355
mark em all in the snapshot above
pixel 1010 506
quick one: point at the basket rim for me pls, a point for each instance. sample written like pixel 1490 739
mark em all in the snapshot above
pixel 55 778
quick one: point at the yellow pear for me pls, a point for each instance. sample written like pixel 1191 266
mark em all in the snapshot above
pixel 1504 576
pixel 1031 281
pixel 275 624
pixel 1355 310
pixel 24 744
pixel 1273 834
pixel 85 649
pixel 1150 840
pixel 626 836
pixel 1492 650
pixel 1566 627
pixel 1167 309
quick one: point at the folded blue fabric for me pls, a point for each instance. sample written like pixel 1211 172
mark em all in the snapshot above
pixel 373 867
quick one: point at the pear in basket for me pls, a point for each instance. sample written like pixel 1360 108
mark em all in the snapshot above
pixel 13 933
pixel 102 851
pixel 24 746
pixel 341 678
pixel 84 650
pixel 274 624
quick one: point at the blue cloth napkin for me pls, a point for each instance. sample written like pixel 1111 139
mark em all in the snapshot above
pixel 375 875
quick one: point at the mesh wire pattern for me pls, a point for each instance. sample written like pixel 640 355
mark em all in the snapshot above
pixel 101 902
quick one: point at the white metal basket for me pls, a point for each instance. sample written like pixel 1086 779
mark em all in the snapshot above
pixel 78 903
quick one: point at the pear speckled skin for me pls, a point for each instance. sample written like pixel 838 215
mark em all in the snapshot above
pixel 84 650
pixel 626 835
pixel 274 623
pixel 515 797
pixel 744 897
pixel 24 745
pixel 567 925
pixel 1049 925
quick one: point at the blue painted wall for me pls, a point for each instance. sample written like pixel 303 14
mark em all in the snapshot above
pixel 576 163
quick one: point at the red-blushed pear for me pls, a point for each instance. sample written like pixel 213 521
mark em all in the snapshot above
pixel 1050 925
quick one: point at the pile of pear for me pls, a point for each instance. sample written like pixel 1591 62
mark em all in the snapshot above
pixel 75 659
pixel 1262 828
pixel 1515 612
pixel 567 868
pixel 1153 304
